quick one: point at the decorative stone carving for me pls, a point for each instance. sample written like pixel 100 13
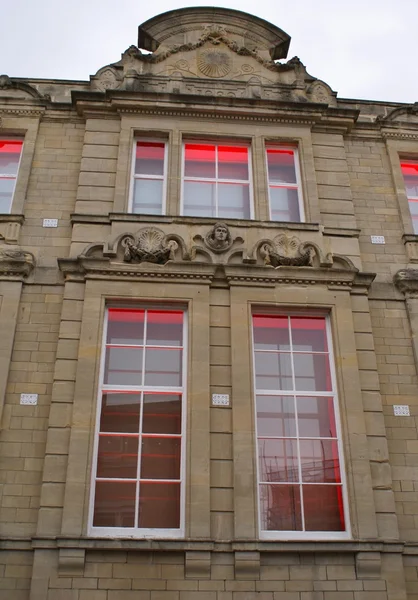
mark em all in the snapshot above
pixel 16 262
pixel 214 63
pixel 406 281
pixel 106 79
pixel 5 82
pixel 320 92
pixel 286 251
pixel 219 238
pixel 150 245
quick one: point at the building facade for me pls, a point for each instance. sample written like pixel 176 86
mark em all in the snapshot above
pixel 209 322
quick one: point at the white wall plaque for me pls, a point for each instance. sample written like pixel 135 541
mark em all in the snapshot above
pixel 220 399
pixel 50 223
pixel 401 410
pixel 31 399
pixel 378 239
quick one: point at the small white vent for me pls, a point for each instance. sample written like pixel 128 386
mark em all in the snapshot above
pixel 31 399
pixel 378 239
pixel 50 223
pixel 401 410
pixel 220 399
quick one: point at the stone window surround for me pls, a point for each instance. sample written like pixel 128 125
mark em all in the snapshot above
pixel 298 136
pixel 337 304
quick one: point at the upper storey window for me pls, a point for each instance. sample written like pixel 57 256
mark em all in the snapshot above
pixel 10 151
pixel 284 184
pixel 410 175
pixel 217 181
pixel 149 186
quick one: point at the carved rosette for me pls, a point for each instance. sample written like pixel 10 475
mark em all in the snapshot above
pixel 149 245
pixel 16 263
pixel 214 63
pixel 286 251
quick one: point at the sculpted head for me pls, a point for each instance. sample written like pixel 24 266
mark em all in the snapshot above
pixel 220 233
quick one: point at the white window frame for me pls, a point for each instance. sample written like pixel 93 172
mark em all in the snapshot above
pixel 414 218
pixel 302 535
pixel 162 178
pixel 12 176
pixel 132 532
pixel 216 180
pixel 297 186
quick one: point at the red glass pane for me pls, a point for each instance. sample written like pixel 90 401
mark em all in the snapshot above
pixel 164 328
pixel 323 508
pixel 410 168
pixel 281 166
pixel 114 504
pixel 309 334
pixel 319 461
pixel 11 146
pixel 271 332
pixel 150 158
pixel 278 460
pixel 280 508
pixel 160 458
pixel 233 162
pixel 316 417
pixel 117 457
pixel 159 505
pixel 200 161
pixel 276 416
pixel 120 412
pixel 162 413
pixel 125 326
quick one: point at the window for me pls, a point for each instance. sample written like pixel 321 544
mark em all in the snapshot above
pixel 10 151
pixel 149 185
pixel 138 474
pixel 299 476
pixel 216 181
pixel 410 176
pixel 284 184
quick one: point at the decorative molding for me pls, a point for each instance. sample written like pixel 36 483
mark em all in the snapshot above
pixel 10 226
pixel 399 134
pixel 25 112
pixel 286 250
pixel 152 245
pixel 15 263
pixel 197 565
pixel 406 280
pixel 247 565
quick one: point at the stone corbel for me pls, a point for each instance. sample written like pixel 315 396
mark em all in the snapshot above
pixel 71 562
pixel 197 565
pixel 368 565
pixel 15 264
pixel 406 281
pixel 247 565
pixel 10 226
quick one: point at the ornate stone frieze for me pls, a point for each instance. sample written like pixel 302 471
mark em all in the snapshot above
pixel 286 250
pixel 149 245
pixel 15 262
pixel 406 280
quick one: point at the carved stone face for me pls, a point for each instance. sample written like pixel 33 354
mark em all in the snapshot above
pixel 220 234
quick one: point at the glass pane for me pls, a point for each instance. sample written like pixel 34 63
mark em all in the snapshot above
pixel 123 366
pixel 200 161
pixel 411 186
pixel 7 187
pixel 323 508
pixel 159 505
pixel 319 460
pixel 316 417
pixel 276 416
pixel 233 201
pixel 413 206
pixel 149 158
pixel 120 413
pixel 125 326
pixel 278 460
pixel 164 328
pixel 160 458
pixel 280 508
pixel 162 413
pixel 312 372
pixel 309 334
pixel 199 199
pixel 271 333
pixel 117 456
pixel 284 204
pixel 114 504
pixel 281 165
pixel 415 224
pixel 273 371
pixel 163 367
pixel 232 163
pixel 9 156
pixel 148 196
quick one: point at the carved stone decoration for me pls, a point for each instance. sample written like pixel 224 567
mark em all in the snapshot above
pixel 5 82
pixel 286 251
pixel 320 92
pixel 406 281
pixel 106 79
pixel 219 238
pixel 214 63
pixel 149 245
pixel 16 262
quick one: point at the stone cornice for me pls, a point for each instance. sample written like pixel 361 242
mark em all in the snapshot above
pixel 15 264
pixel 406 280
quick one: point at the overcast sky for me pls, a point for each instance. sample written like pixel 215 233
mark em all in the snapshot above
pixel 361 48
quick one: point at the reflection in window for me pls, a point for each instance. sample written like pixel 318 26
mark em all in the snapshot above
pixel 10 151
pixel 284 185
pixel 149 174
pixel 138 479
pixel 410 176
pixel 299 475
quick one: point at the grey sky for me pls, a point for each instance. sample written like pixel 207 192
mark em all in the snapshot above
pixel 361 48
